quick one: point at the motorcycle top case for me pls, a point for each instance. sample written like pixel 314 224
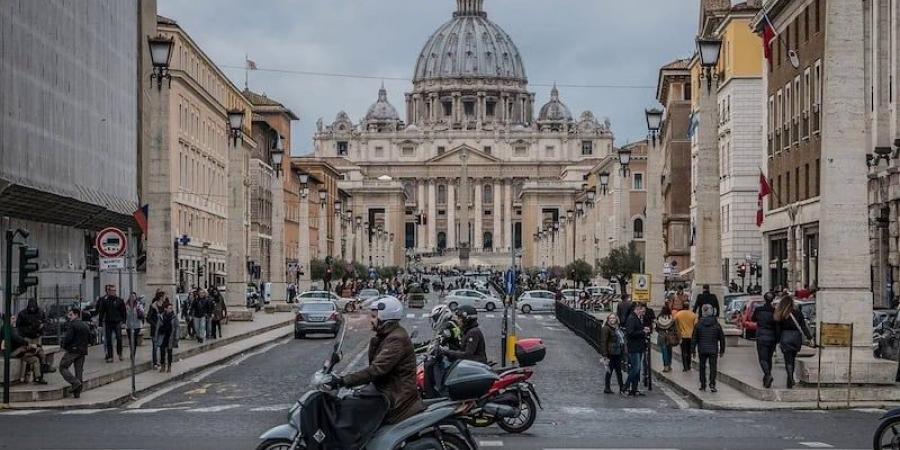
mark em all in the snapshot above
pixel 469 380
pixel 530 351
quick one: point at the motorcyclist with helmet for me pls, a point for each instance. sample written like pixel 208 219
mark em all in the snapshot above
pixel 448 335
pixel 392 363
pixel 473 347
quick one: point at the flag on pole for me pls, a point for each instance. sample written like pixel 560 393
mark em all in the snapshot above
pixel 251 65
pixel 769 35
pixel 764 190
pixel 140 216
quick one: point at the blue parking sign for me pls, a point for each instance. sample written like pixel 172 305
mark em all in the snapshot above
pixel 510 280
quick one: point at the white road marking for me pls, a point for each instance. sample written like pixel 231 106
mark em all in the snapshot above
pixel 490 316
pixel 410 316
pixel 490 443
pixel 578 410
pixel 271 408
pixel 22 412
pixel 680 401
pixel 638 410
pixel 150 410
pixel 85 412
pixel 518 327
pixel 538 317
pixel 870 410
pixel 425 315
pixel 816 445
pixel 213 409
pixel 356 359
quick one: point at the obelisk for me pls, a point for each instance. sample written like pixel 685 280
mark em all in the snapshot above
pixel 464 238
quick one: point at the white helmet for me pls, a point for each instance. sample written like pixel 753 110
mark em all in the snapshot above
pixel 388 308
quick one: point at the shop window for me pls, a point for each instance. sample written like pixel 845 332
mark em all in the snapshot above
pixel 343 148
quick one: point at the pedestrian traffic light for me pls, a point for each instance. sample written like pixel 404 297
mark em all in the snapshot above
pixel 27 267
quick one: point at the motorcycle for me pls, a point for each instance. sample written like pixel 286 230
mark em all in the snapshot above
pixel 884 341
pixel 360 412
pixel 887 436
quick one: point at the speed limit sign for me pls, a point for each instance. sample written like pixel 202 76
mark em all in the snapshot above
pixel 111 243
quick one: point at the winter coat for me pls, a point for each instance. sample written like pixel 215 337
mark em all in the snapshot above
pixel 623 310
pixel 77 338
pixel 790 337
pixel 612 341
pixel 219 310
pixel 392 369
pixel 17 340
pixel 167 331
pixel 709 338
pixel 111 310
pixel 707 298
pixel 200 307
pixel 473 347
pixel 764 317
pixel 30 321
pixel 666 330
pixel 636 338
pixel 134 315
pixel 686 320
pixel 153 315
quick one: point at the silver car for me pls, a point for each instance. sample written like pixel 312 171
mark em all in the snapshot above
pixel 343 304
pixel 536 301
pixel 471 297
pixel 317 317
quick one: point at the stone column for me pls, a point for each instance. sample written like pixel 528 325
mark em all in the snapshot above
pixel 276 256
pixel 304 252
pixel 323 230
pixel 360 236
pixel 431 226
pixel 421 234
pixel 350 247
pixel 845 295
pixel 236 278
pixel 708 261
pixel 507 216
pixel 338 235
pixel 477 218
pixel 367 244
pixel 497 215
pixel 451 214
pixel 565 229
pixel 161 264
pixel 653 241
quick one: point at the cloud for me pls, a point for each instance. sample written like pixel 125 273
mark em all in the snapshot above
pixel 619 42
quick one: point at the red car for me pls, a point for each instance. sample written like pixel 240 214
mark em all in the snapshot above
pixel 747 326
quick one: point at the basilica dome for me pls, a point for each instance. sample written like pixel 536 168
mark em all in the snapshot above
pixel 555 110
pixel 382 110
pixel 470 45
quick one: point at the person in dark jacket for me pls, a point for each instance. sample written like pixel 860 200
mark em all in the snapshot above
pixel 766 336
pixel 167 335
pixel 200 309
pixel 154 312
pixel 75 343
pixel 392 363
pixel 636 334
pixel 706 298
pixel 790 326
pixel 30 323
pixel 31 355
pixel 111 314
pixel 623 310
pixel 473 347
pixel 709 342
pixel 612 347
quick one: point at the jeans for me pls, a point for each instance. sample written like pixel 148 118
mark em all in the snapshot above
pixel 790 359
pixel 215 329
pixel 666 350
pixel 113 331
pixel 134 337
pixel 764 352
pixel 200 328
pixel 165 355
pixel 67 360
pixel 153 346
pixel 686 353
pixel 614 366
pixel 713 361
pixel 635 363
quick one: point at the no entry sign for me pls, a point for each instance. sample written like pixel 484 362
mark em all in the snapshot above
pixel 111 243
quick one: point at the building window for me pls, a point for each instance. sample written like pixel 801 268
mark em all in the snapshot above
pixel 806 24
pixel 549 150
pixel 771 124
pixel 818 15
pixel 806 193
pixel 441 150
pixel 448 108
pixel 487 212
pixel 587 148
pixel 521 150
pixel 638 181
pixel 798 104
pixel 343 148
pixel 469 108
pixel 687 91
pixel 638 228
pixel 788 114
pixel 807 99
pixel 818 178
pixel 787 187
pixel 409 150
pixel 379 151
pixel 490 108
pixel 817 97
pixel 487 149
pixel 442 194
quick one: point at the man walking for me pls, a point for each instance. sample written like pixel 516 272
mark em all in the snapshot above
pixel 686 320
pixel 709 341
pixel 111 313
pixel 75 343
pixel 199 312
pixel 636 334
pixel 766 336
pixel 707 298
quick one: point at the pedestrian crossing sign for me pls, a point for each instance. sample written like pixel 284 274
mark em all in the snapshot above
pixel 640 287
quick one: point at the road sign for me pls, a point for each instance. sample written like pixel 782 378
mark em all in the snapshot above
pixel 111 243
pixel 836 334
pixel 112 263
pixel 640 287
pixel 510 282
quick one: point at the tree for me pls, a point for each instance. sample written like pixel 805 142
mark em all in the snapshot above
pixel 579 272
pixel 317 269
pixel 620 264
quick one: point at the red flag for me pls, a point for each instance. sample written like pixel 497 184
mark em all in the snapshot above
pixel 769 35
pixel 140 216
pixel 764 190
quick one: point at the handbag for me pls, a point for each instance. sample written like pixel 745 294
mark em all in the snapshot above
pixel 803 338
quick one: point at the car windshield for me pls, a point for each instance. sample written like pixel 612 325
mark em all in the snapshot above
pixel 368 293
pixel 317 307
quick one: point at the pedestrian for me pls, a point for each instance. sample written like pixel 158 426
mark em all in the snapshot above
pixel 32 356
pixel 707 298
pixel 219 315
pixel 791 329
pixel 30 323
pixel 686 320
pixel 709 342
pixel 682 300
pixel 199 309
pixel 766 336
pixel 75 343
pixel 111 313
pixel 624 307
pixel 167 333
pixel 636 342
pixel 153 314
pixel 612 347
pixel 666 336
pixel 134 320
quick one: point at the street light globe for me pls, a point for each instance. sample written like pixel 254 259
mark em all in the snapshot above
pixel 624 156
pixel 304 178
pixel 654 119
pixel 235 120
pixel 592 192
pixel 323 195
pixel 570 214
pixel 160 51
pixel 604 178
pixel 709 50
pixel 337 206
pixel 277 157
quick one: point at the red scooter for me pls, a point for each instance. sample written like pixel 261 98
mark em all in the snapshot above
pixel 512 389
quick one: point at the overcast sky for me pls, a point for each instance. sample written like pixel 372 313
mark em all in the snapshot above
pixel 596 42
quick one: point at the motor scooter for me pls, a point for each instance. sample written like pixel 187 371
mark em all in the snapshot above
pixel 887 435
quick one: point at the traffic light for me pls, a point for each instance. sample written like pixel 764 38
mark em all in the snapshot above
pixel 27 267
pixel 742 270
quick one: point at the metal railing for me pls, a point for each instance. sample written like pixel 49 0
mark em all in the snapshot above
pixel 581 323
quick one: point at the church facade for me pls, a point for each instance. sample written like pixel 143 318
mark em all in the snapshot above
pixel 471 137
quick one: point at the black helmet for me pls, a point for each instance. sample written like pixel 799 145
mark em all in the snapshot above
pixel 467 312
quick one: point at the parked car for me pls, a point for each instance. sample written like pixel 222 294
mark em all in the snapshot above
pixel 343 304
pixel 471 297
pixel 734 310
pixel 367 296
pixel 317 316
pixel 536 301
pixel 570 295
pixel 728 298
pixel 415 297
pixel 808 309
pixel 748 326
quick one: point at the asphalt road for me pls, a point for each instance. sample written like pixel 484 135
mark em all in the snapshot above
pixel 228 406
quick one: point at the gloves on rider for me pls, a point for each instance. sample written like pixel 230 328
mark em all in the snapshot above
pixel 333 383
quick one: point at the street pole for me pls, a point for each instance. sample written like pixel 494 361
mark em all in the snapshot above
pixel 129 263
pixel 511 302
pixel 7 312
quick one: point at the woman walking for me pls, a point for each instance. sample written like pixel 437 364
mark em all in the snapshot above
pixel 134 321
pixel 167 333
pixel 791 327
pixel 154 312
pixel 766 336
pixel 666 336
pixel 612 347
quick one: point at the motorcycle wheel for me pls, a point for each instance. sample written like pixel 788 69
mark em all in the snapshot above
pixel 525 419
pixel 887 436
pixel 454 442
pixel 275 444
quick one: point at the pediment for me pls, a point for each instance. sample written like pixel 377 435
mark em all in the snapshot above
pixel 454 157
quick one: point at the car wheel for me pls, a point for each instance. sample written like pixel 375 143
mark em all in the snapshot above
pixel 490 306
pixel 453 306
pixel 526 309
pixel 298 335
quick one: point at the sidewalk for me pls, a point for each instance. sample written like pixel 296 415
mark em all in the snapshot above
pixel 108 384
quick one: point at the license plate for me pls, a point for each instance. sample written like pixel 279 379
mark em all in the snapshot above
pixel 317 318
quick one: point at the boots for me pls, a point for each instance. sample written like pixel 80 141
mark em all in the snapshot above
pixel 790 376
pixel 162 367
pixel 169 368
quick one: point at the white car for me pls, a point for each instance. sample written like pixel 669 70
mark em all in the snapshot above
pixel 367 296
pixel 343 304
pixel 536 301
pixel 571 295
pixel 472 297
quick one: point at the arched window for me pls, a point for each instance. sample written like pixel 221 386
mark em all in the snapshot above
pixel 442 240
pixel 488 242
pixel 639 228
pixel 442 194
pixel 488 194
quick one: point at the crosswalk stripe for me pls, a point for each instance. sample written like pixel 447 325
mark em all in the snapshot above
pixel 22 412
pixel 410 316
pixel 816 445
pixel 271 408
pixel 490 443
pixel 85 412
pixel 210 409
pixel 490 316
pixel 638 410
pixel 150 410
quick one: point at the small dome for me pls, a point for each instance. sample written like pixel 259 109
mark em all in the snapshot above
pixel 382 110
pixel 342 122
pixel 555 110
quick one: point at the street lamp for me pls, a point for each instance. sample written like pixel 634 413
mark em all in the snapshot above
pixel 709 49
pixel 160 56
pixel 579 208
pixel 235 123
pixel 304 184
pixel 624 160
pixel 592 193
pixel 323 196
pixel 358 221
pixel 337 207
pixel 604 182
pixel 570 214
pixel 654 121
pixel 277 155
